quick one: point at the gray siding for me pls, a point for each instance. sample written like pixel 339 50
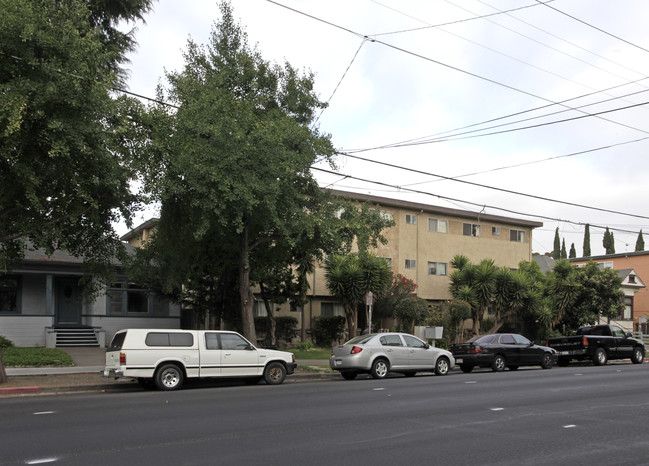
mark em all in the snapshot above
pixel 25 330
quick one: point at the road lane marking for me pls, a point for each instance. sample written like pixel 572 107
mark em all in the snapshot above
pixel 44 412
pixel 378 389
pixel 497 409
pixel 569 426
pixel 471 381
pixel 42 460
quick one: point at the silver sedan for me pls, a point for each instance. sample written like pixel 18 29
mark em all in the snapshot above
pixel 381 353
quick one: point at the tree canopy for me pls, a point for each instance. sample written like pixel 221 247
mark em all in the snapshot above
pixel 64 136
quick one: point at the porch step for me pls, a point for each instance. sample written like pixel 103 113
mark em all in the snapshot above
pixel 70 337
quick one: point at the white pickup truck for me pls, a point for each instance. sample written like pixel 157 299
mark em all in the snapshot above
pixel 164 357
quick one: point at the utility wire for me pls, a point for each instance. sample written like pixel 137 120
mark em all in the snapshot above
pixel 509 191
pixel 482 207
pixel 594 27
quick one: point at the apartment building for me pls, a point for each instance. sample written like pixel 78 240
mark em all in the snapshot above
pixel 423 241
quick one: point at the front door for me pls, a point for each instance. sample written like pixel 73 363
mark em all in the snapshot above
pixel 68 301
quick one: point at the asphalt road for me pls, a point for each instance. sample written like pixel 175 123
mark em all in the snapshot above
pixel 563 416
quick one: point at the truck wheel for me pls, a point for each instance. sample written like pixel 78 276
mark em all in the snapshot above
pixel 168 377
pixel 379 369
pixel 638 356
pixel 499 363
pixel 600 357
pixel 466 368
pixel 546 361
pixel 275 373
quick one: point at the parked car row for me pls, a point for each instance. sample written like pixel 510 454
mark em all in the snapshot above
pixel 380 354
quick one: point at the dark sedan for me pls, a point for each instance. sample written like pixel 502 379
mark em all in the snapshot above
pixel 502 350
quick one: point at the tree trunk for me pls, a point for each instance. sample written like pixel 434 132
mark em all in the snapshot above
pixel 350 313
pixel 3 373
pixel 247 296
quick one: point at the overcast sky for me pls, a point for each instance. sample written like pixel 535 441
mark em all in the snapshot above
pixel 412 71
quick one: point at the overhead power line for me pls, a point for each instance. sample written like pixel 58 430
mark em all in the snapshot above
pixel 482 207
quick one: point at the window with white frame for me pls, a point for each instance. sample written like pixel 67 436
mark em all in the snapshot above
pixel 129 299
pixel 495 231
pixel 388 260
pixel 411 219
pixel 517 236
pixel 437 225
pixel 411 264
pixel 437 268
pixel 386 215
pixel 471 229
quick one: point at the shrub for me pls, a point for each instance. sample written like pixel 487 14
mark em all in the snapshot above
pixel 286 328
pixel 327 329
pixel 304 346
pixel 36 357
pixel 5 342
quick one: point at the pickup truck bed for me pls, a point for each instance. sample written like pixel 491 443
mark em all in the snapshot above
pixel 598 343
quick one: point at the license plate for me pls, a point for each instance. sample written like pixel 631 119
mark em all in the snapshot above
pixel 339 362
pixel 458 361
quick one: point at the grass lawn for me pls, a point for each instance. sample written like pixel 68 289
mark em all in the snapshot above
pixel 35 357
pixel 314 353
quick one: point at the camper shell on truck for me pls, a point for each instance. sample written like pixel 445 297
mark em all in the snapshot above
pixel 166 357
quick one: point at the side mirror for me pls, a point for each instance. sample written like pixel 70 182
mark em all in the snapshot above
pixel 426 345
pixel 629 334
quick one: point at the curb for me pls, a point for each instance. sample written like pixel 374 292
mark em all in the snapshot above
pixel 19 390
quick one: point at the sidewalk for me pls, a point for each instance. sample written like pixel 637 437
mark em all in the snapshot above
pixel 85 375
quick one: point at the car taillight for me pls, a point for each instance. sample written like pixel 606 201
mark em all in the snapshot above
pixel 584 341
pixel 475 350
pixel 122 358
pixel 356 349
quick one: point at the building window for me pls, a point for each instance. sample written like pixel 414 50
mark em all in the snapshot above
pixel 437 268
pixel 627 310
pixel 471 229
pixel 388 260
pixel 386 215
pixel 411 263
pixel 9 295
pixel 259 309
pixel 631 278
pixel 603 265
pixel 332 310
pixel 411 219
pixel 495 231
pixel 517 236
pixel 122 299
pixel 436 225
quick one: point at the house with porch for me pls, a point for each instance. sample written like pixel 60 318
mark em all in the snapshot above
pixel 43 303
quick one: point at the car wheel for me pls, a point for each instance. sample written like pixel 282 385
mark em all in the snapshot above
pixel 169 377
pixel 512 368
pixel 601 357
pixel 466 368
pixel 442 366
pixel 546 361
pixel 499 363
pixel 380 369
pixel 564 362
pixel 638 356
pixel 275 373
pixel 349 375
pixel 409 373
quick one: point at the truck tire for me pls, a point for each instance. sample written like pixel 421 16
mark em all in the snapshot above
pixel 600 358
pixel 275 373
pixel 638 355
pixel 168 377
pixel 499 363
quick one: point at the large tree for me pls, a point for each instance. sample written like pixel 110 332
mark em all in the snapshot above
pixel 64 138
pixel 586 245
pixel 639 244
pixel 230 165
pixel 556 250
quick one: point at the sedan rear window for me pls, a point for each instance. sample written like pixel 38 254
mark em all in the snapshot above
pixel 360 340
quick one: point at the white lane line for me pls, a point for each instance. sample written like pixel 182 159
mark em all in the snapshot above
pixel 570 426
pixel 471 381
pixel 378 389
pixel 44 412
pixel 42 460
pixel 497 409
